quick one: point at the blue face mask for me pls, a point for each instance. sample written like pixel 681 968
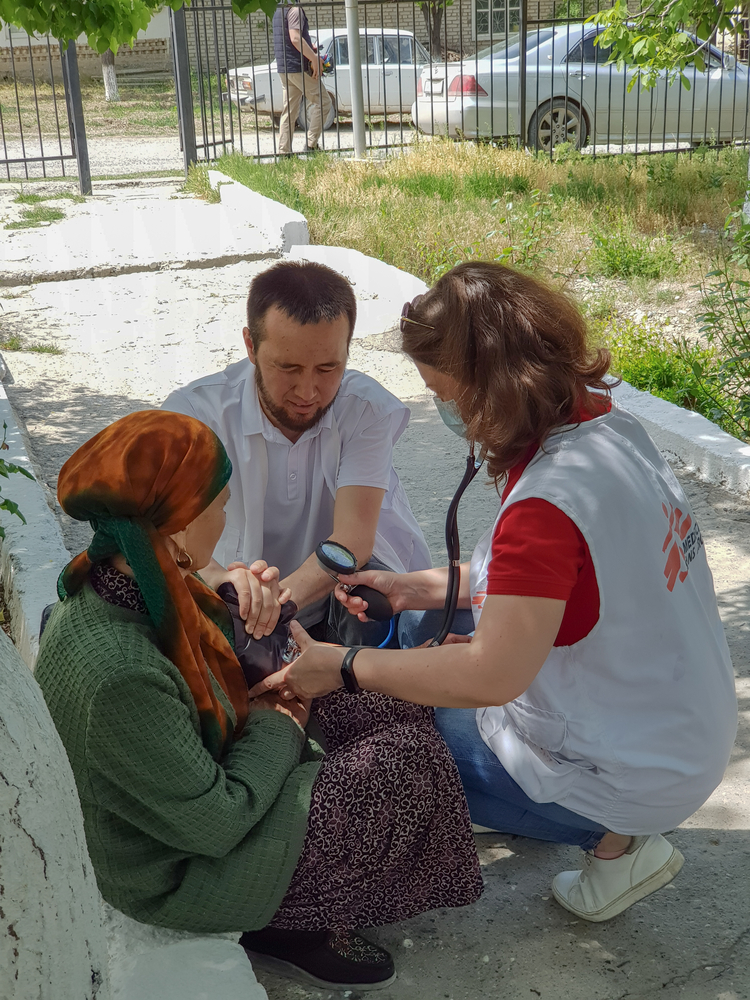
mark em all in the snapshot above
pixel 450 416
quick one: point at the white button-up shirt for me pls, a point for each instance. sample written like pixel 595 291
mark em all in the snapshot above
pixel 283 493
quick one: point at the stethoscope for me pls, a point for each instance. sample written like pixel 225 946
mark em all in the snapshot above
pixel 335 559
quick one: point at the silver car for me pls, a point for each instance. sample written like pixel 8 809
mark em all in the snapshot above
pixel 392 61
pixel 572 96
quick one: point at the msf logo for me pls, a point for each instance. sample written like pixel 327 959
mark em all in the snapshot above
pixel 682 545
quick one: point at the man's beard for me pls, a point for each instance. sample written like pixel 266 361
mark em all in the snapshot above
pixel 284 418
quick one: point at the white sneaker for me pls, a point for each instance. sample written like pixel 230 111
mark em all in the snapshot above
pixel 605 888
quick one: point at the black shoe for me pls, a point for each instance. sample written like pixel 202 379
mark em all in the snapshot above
pixel 340 960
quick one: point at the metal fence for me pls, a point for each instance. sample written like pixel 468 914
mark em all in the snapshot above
pixel 457 70
pixel 42 130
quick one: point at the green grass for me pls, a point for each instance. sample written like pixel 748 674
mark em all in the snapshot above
pixel 31 218
pixel 665 366
pixel 16 343
pixel 622 252
pixel 625 217
pixel 35 199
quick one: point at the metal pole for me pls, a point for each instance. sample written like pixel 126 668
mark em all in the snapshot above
pixel 355 78
pixel 72 83
pixel 183 86
pixel 521 75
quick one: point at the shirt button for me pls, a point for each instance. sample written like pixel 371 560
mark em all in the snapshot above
pixel 292 476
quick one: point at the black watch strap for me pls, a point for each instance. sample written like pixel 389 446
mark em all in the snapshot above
pixel 347 670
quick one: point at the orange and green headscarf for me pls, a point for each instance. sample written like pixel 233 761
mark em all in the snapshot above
pixel 143 478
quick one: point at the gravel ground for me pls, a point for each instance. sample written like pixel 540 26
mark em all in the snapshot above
pixel 116 157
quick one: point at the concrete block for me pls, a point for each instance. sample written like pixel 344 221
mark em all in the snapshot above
pixel 690 439
pixel 155 963
pixel 107 237
pixel 281 225
pixel 52 946
pixel 192 970
pixel 32 554
pixel 381 288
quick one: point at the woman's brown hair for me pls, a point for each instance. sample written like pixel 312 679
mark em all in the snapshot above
pixel 518 350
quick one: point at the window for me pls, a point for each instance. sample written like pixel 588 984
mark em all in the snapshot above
pixel 587 52
pixel 508 48
pixel 398 49
pixel 493 18
pixel 342 50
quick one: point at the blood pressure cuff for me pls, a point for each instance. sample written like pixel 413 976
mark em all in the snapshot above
pixel 258 657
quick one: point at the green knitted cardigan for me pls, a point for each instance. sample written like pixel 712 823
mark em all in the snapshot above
pixel 176 839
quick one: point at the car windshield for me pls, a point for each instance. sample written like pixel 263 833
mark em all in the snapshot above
pixel 510 46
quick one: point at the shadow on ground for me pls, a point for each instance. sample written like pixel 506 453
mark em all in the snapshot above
pixel 690 940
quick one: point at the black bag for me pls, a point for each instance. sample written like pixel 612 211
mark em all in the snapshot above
pixel 259 657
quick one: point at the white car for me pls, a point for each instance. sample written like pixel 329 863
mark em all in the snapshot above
pixel 392 61
pixel 572 96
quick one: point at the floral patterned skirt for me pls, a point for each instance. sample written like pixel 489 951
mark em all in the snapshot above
pixel 388 835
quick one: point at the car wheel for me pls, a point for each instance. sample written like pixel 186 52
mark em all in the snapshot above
pixel 302 116
pixel 557 121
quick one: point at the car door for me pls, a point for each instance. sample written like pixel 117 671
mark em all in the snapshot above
pixel 680 112
pixel 371 69
pixel 618 114
pixel 399 72
pixel 713 108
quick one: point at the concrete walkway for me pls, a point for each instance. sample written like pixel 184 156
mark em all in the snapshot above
pixel 127 340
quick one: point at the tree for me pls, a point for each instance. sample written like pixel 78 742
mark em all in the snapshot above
pixel 107 24
pixel 666 35
pixel 109 76
pixel 433 11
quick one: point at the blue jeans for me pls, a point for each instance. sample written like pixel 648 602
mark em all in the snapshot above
pixel 495 799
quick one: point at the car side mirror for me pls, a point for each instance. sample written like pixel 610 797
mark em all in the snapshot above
pixel 729 62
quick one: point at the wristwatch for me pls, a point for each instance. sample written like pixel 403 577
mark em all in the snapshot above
pixel 347 670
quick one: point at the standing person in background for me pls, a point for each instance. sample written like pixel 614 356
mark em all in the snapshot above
pixel 300 68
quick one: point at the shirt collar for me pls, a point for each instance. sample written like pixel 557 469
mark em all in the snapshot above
pixel 254 421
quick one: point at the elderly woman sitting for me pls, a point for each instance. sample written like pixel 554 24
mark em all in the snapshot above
pixel 206 811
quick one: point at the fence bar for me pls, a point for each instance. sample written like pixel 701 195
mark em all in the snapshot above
pixel 355 78
pixel 69 60
pixel 521 74
pixel 183 86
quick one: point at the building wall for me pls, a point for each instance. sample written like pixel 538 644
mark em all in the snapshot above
pixel 150 52
pixel 227 41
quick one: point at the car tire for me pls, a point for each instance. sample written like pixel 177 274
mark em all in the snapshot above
pixel 557 121
pixel 328 123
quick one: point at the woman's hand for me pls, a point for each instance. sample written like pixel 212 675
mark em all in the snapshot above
pixel 316 672
pixel 392 585
pixel 296 708
pixel 260 595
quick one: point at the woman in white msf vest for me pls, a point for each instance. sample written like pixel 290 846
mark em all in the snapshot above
pixel 594 702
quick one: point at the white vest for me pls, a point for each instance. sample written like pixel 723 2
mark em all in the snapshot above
pixel 631 727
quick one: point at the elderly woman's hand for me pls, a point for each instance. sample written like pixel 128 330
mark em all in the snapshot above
pixel 316 672
pixel 259 593
pixel 296 708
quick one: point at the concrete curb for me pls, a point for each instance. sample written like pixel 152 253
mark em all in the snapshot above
pixel 32 554
pixel 381 288
pixel 269 216
pixel 690 439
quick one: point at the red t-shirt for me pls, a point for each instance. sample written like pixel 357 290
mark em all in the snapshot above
pixel 537 551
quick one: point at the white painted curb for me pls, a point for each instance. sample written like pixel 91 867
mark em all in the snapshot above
pixel 690 439
pixel 32 554
pixel 278 222
pixel 381 288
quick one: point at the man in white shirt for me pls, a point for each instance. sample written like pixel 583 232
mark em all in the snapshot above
pixel 311 446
